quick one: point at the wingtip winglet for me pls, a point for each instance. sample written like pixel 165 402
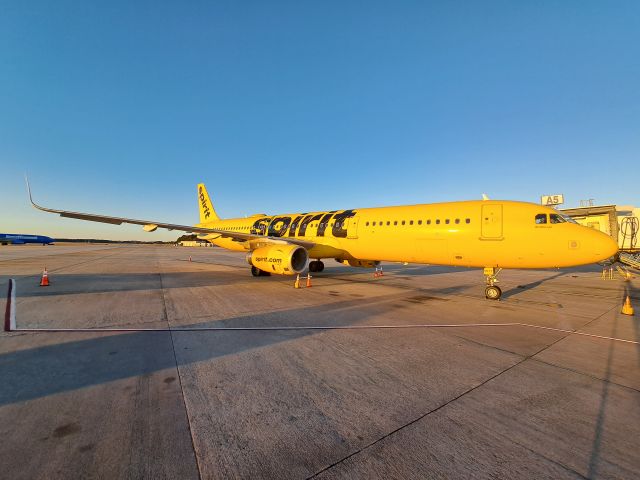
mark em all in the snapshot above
pixel 26 179
pixel 34 204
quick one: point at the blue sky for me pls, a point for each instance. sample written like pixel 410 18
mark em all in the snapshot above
pixel 122 107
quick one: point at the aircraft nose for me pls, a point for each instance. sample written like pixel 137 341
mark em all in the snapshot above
pixel 605 246
pixel 612 247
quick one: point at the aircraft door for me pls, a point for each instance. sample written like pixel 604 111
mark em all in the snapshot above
pixel 492 221
pixel 352 228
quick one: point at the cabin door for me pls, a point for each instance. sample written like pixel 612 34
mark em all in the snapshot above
pixel 492 221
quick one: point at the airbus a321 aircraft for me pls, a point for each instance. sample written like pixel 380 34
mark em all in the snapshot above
pixel 488 234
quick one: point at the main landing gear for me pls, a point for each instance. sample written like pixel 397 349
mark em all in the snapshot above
pixel 256 272
pixel 316 266
pixel 492 292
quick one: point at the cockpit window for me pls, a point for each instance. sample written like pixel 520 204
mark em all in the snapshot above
pixel 569 219
pixel 555 218
pixel 541 218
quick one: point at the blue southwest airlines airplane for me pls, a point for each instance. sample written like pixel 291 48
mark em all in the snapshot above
pixel 20 239
pixel 487 234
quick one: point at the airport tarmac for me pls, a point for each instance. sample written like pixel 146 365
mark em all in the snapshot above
pixel 457 402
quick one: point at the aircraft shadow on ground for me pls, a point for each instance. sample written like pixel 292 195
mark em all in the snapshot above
pixel 73 284
pixel 529 286
pixel 38 372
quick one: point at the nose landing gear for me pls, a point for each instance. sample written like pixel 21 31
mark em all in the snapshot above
pixel 492 292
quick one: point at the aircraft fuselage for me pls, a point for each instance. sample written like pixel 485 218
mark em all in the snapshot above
pixel 487 233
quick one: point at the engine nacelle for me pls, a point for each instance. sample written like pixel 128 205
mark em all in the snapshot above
pixel 354 262
pixel 280 259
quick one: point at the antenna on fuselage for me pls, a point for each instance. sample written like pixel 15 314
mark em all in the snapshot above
pixel 484 196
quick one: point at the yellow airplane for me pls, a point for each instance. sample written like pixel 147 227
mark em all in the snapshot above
pixel 488 234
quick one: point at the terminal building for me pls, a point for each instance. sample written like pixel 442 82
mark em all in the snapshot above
pixel 194 243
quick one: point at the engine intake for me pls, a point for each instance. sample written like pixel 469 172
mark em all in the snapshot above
pixel 280 259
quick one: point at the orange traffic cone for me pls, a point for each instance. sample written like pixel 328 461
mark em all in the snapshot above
pixel 308 280
pixel 627 308
pixel 44 281
pixel 296 284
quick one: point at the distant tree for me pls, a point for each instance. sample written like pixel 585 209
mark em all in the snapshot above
pixel 187 238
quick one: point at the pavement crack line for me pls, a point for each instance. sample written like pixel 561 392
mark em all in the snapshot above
pixel 484 382
pixel 175 358
pixel 417 419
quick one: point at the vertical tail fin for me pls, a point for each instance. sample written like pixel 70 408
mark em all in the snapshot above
pixel 207 212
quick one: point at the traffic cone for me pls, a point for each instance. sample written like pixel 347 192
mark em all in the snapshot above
pixel 308 280
pixel 296 284
pixel 189 257
pixel 627 308
pixel 44 281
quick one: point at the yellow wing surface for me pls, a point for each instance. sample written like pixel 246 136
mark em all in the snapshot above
pixel 151 225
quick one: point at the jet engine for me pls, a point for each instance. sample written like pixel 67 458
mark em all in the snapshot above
pixel 354 262
pixel 281 259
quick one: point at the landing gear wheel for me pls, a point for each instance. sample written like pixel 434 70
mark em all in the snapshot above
pixel 493 292
pixel 319 266
pixel 256 272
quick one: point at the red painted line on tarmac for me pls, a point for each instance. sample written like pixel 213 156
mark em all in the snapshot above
pixel 580 333
pixel 314 327
pixel 10 326
pixel 10 311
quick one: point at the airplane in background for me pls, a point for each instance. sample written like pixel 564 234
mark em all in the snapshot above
pixel 20 239
pixel 487 234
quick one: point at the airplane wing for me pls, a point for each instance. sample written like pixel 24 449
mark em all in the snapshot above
pixel 150 226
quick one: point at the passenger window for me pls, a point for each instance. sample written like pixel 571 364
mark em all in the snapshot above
pixel 554 218
pixel 395 222
pixel 468 220
pixel 447 221
pixel 374 224
pixel 410 222
pixel 419 222
pixel 438 222
pixel 457 221
pixel 428 222
pixel 403 222
pixel 541 218
pixel 366 224
pixel 388 223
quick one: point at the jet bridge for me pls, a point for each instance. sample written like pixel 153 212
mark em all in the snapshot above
pixel 630 259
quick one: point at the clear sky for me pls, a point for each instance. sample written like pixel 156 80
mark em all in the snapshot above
pixel 122 107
